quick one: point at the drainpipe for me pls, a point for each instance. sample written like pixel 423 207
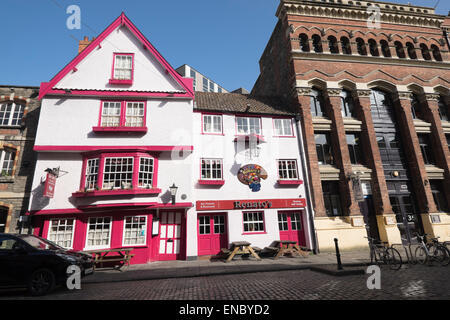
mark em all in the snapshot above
pixel 309 207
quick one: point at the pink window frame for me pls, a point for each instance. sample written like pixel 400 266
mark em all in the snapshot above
pixel 282 118
pixel 288 181
pixel 136 164
pixel 254 232
pixel 213 114
pixel 260 135
pixel 211 181
pixel 122 81
pixel 123 114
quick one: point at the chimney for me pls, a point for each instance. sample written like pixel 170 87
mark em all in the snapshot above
pixel 84 43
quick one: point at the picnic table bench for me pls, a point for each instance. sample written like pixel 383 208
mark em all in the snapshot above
pixel 101 257
pixel 285 247
pixel 240 248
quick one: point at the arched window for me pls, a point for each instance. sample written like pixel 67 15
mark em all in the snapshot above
pixel 317 103
pixel 361 45
pixel 304 43
pixel 381 106
pixel 385 48
pixel 332 44
pixel 436 53
pixel 400 50
pixel 347 104
pixel 411 51
pixel 443 109
pixel 425 51
pixel 317 43
pixel 346 48
pixel 373 48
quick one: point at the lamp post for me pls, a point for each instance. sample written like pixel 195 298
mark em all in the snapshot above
pixel 173 192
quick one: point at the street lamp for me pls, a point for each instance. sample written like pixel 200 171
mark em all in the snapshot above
pixel 173 192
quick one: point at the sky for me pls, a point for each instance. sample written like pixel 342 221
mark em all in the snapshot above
pixel 223 40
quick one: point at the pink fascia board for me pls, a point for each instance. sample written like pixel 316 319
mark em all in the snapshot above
pixel 112 148
pixel 122 20
pixel 116 93
pixel 115 192
pixel 119 129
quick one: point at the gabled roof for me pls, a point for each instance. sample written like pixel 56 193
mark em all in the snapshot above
pixel 122 20
pixel 240 103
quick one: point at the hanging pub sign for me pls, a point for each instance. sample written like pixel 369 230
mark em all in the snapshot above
pixel 49 188
pixel 251 175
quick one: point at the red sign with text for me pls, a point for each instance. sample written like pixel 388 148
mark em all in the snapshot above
pixel 250 204
pixel 49 189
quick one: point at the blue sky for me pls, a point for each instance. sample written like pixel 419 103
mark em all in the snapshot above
pixel 222 39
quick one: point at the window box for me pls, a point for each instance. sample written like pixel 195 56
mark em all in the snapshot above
pixel 290 182
pixel 120 129
pixel 212 182
pixel 118 81
pixel 114 192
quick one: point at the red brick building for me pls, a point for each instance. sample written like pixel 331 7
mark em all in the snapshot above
pixel 374 105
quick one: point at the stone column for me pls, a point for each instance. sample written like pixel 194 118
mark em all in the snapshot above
pixel 310 150
pixel 387 225
pixel 341 152
pixel 414 157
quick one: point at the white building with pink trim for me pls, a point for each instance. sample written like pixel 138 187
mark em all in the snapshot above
pixel 118 127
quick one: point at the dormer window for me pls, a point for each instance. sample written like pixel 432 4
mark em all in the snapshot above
pixel 123 67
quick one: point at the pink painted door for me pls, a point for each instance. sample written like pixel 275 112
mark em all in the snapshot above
pixel 170 235
pixel 291 226
pixel 212 233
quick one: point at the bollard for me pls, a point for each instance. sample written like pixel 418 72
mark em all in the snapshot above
pixel 338 255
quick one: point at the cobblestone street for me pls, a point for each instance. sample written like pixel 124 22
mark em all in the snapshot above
pixel 417 282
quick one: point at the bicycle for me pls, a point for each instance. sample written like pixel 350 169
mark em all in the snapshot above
pixel 429 252
pixel 381 253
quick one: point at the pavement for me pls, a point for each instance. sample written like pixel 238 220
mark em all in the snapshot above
pixel 201 268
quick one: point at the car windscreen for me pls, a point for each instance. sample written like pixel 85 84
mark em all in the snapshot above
pixel 40 244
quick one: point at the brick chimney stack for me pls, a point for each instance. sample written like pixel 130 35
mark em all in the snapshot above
pixel 84 43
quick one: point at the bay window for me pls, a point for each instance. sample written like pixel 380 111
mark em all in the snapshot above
pixel 127 173
pixel 122 116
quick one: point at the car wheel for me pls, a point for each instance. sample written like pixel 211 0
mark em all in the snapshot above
pixel 41 282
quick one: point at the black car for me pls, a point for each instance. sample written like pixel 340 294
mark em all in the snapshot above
pixel 37 264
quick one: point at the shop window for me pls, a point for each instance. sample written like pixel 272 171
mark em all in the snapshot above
pixel 425 147
pixel 11 114
pixel 287 170
pixel 99 233
pixel 439 195
pixel 283 127
pixel 123 68
pixel 212 123
pixel 323 148
pixel 331 197
pixel 134 231
pixel 61 232
pixel 354 148
pixel 253 221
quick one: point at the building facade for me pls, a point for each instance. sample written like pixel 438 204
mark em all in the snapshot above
pixel 201 83
pixel 114 136
pixel 19 114
pixel 374 106
pixel 248 173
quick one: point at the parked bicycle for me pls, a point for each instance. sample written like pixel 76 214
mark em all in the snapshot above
pixel 433 251
pixel 381 253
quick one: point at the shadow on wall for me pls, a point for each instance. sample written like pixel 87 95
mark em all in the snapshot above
pixel 39 202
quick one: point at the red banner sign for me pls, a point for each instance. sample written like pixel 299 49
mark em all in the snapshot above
pixel 50 182
pixel 250 204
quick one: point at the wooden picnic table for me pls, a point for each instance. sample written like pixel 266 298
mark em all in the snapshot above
pixel 240 247
pixel 288 247
pixel 101 256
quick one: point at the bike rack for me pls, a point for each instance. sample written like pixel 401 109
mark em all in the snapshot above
pixel 408 251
